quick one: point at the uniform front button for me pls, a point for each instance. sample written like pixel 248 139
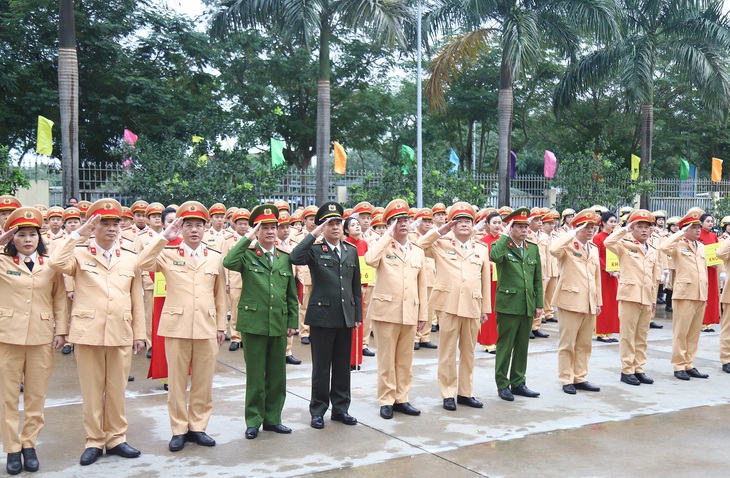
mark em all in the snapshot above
pixel 340 277
pixel 343 300
pixel 27 302
pixel 270 308
pixel 340 288
pixel 272 296
pixel 319 303
pixel 272 285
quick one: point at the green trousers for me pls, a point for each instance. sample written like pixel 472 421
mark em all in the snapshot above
pixel 265 378
pixel 512 343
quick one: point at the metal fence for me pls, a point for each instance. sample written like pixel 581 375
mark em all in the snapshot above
pixel 97 180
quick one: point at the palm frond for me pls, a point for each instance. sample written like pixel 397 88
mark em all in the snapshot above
pixel 600 19
pixel 521 38
pixel 448 65
pixel 706 69
pixel 384 18
pixel 637 74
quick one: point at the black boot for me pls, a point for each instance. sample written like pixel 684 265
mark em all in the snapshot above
pixel 660 291
pixel 668 307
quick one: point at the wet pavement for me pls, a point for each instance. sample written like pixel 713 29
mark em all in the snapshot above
pixel 670 428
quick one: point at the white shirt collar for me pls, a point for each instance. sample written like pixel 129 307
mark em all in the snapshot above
pixel 102 249
pixel 190 250
pixel 33 257
pixel 333 247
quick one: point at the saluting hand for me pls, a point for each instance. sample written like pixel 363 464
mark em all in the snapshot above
pixel 173 231
pixel 252 232
pixel 319 229
pixel 446 228
pixel 507 229
pixel 8 236
pixel 391 229
pixel 89 226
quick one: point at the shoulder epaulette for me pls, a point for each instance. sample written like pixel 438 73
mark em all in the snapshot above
pixel 531 241
pixel 128 249
pixel 280 249
pixel 214 250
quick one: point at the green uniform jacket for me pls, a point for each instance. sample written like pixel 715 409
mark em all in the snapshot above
pixel 519 281
pixel 336 299
pixel 268 304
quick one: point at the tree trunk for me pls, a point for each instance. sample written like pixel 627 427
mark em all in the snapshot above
pixel 323 111
pixel 504 116
pixel 647 139
pixel 68 90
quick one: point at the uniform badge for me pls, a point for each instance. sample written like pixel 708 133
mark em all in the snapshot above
pixel 13 273
pixel 324 249
pixel 577 254
pixel 575 244
pixel 390 256
pixel 258 252
pixel 92 249
pixel 178 263
pixel 451 252
pixel 635 251
pixel 92 264
pixel 511 244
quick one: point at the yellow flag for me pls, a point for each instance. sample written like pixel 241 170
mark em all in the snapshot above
pixel 202 160
pixel 340 159
pixel 197 139
pixel 44 142
pixel 635 162
pixel 717 169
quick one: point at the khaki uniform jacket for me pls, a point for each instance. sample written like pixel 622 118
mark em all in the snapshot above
pixel 400 295
pixel 195 306
pixel 33 308
pixel 723 252
pixel 641 268
pixel 690 280
pixel 233 278
pixel 213 239
pixel 302 272
pixel 143 240
pixel 108 309
pixel 463 279
pixel 430 262
pixel 579 285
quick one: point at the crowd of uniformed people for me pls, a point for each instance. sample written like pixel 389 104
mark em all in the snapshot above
pixel 105 281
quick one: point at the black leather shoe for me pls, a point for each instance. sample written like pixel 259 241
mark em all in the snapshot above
pixel 569 389
pixel 434 328
pixel 469 401
pixel 291 360
pixel 30 459
pixel 228 338
pixel 505 394
pixel 66 349
pixel 416 345
pixel 604 340
pixel 668 308
pixel 641 377
pixel 234 346
pixel 317 421
pixel 660 301
pixel 130 378
pixel 429 345
pixel 14 464
pixel 177 443
pixel 613 340
pixel 552 319
pixel 251 433
pixel 345 418
pixel 277 428
pixel 654 325
pixel 368 353
pixel 149 353
pixel 630 378
pixel 540 334
pixel 386 411
pixel 681 374
pixel 532 336
pixel 694 373
pixel 90 456
pixel 708 329
pixel 524 391
pixel 124 450
pixel 586 386
pixel 305 341
pixel 449 404
pixel 726 368
pixel 406 408
pixel 201 438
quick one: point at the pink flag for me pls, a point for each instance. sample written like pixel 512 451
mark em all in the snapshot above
pixel 130 137
pixel 551 164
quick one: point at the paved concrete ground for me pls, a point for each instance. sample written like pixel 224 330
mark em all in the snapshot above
pixel 671 428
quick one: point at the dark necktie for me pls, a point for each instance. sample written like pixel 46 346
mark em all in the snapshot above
pixel 337 254
pixel 270 257
pixel 29 263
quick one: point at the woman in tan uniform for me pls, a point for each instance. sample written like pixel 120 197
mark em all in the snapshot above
pixel 32 317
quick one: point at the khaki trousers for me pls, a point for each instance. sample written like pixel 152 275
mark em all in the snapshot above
pixel 199 357
pixel 686 324
pixel 367 294
pixel 462 332
pixel 31 364
pixel 634 330
pixel 149 301
pixel 424 335
pixel 547 301
pixel 395 360
pixel 103 373
pixel 289 343
pixel 574 347
pixel 235 296
pixel 306 294
pixel 725 335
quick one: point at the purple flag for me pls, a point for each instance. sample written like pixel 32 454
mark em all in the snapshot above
pixel 551 164
pixel 512 164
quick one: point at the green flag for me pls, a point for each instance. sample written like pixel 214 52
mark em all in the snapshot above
pixel 277 153
pixel 409 156
pixel 683 169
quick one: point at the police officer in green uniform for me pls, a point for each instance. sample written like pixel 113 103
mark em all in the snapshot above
pixel 518 301
pixel 267 315
pixel 334 308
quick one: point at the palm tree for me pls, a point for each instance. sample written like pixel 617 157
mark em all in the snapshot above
pixel 691 34
pixel 68 91
pixel 304 20
pixel 522 29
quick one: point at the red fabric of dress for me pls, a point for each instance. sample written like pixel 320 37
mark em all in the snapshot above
pixel 607 322
pixel 712 311
pixel 357 332
pixel 488 330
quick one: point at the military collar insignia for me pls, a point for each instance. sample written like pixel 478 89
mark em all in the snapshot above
pixel 92 249
pixel 511 244
pixel 258 252
pixel 576 245
pixel 324 248
pixel 181 252
pixel 16 260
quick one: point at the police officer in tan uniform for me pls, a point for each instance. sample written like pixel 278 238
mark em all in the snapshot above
pixel 398 308
pixel 578 297
pixel 424 219
pixel 234 283
pixel 364 211
pixel 153 219
pixel 303 275
pixel 193 320
pixel 215 236
pixel 723 252
pixel 690 292
pixel 107 324
pixel 461 297
pixel 640 267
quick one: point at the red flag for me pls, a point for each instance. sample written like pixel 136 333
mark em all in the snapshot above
pixel 551 164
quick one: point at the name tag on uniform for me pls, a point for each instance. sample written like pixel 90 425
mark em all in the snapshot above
pixel 325 257
pixel 390 256
pixel 685 249
pixel 635 251
pixel 178 263
pixel 451 252
pixel 13 273
pixel 577 254
pixel 92 264
pixel 258 264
